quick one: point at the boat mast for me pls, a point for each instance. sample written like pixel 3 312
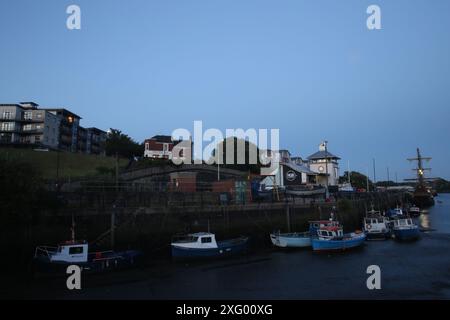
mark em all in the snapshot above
pixel 349 172
pixel 73 228
pixel 420 169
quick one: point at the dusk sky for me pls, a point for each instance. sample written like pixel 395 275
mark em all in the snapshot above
pixel 310 68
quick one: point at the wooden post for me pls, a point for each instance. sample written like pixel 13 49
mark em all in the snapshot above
pixel 117 171
pixel 113 226
pixel 288 218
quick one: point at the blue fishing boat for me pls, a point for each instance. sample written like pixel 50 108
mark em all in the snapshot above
pixel 57 259
pixel 333 239
pixel 394 213
pixel 315 226
pixel 405 229
pixel 204 245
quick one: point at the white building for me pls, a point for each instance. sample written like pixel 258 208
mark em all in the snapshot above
pixel 326 165
pixel 290 173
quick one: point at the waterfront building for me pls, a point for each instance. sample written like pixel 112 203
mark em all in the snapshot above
pixel 326 165
pixel 291 172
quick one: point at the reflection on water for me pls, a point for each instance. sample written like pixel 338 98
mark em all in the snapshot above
pixel 438 216
pixel 424 221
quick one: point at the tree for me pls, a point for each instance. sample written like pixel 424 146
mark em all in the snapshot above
pixel 247 166
pixel 358 180
pixel 441 185
pixel 122 144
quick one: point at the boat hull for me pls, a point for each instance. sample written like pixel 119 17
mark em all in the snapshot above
pixel 291 240
pixel 406 234
pixel 378 235
pixel 414 214
pixel 108 262
pixel 224 249
pixel 354 241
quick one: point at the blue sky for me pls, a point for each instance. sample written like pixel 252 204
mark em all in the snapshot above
pixel 310 68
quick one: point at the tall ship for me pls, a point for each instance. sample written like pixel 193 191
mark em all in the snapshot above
pixel 422 196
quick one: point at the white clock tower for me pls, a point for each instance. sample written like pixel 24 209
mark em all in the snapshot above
pixel 326 165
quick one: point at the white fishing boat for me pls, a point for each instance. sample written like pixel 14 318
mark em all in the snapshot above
pixel 301 239
pixel 376 226
pixel 57 259
pixel 291 240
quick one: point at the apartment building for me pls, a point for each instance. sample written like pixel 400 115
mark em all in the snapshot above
pixel 69 127
pixel 95 141
pixel 24 123
pixel 57 128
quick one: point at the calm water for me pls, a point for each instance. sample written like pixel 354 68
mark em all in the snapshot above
pixel 417 270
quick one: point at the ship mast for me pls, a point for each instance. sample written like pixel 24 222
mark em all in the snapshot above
pixel 420 169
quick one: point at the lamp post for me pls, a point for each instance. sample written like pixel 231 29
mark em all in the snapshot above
pixel 327 195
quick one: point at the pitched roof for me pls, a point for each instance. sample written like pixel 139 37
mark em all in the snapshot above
pixel 161 138
pixel 300 168
pixel 323 155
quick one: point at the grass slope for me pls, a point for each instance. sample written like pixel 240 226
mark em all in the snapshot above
pixel 71 165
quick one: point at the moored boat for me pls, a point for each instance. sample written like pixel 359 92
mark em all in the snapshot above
pixel 405 229
pixel 314 226
pixel 300 239
pixel 333 239
pixel 414 211
pixel 291 240
pixel 56 259
pixel 395 213
pixel 204 245
pixel 376 226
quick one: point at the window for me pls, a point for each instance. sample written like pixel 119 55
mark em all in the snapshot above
pixel 5 137
pixel 28 115
pixel 206 240
pixel 27 127
pixel 7 126
pixel 37 138
pixel 75 250
pixel 7 115
pixel 147 146
pixel 165 147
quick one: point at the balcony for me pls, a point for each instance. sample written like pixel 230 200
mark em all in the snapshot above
pixel 32 131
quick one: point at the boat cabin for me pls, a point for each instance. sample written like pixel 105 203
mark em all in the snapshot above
pixel 395 212
pixel 330 232
pixel 414 209
pixel 403 223
pixel 70 252
pixel 314 226
pixel 375 224
pixel 200 240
